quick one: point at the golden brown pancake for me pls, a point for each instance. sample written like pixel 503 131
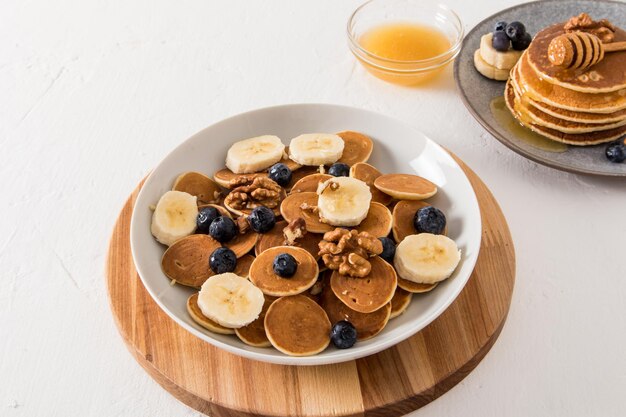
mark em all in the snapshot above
pixel 291 208
pixel 400 302
pixel 377 222
pixel 612 69
pixel 309 183
pixel 369 293
pixel 367 174
pixel 415 287
pixel 254 334
pixel 297 326
pixel 357 147
pixel 224 176
pixel 367 325
pixel 204 188
pixel 262 272
pixel 405 186
pixel 242 244
pixel 196 314
pixel 187 260
pixel 275 237
pixel 301 173
pixel 403 215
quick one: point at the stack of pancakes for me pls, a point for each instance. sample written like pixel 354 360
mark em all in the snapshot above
pixel 574 107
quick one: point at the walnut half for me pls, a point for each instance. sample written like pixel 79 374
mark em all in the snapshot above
pixel 249 193
pixel 603 29
pixel 347 251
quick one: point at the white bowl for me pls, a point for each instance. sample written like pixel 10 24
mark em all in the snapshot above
pixel 397 148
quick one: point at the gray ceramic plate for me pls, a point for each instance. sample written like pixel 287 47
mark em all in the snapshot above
pixel 481 94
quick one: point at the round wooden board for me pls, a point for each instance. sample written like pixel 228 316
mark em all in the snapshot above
pixel 391 383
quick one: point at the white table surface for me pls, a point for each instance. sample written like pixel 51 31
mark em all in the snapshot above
pixel 94 93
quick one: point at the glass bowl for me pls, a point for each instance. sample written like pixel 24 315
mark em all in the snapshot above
pixel 433 14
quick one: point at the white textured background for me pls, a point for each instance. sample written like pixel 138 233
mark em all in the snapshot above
pixel 94 93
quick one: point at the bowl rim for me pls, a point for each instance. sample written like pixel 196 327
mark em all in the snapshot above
pixel 436 61
pixel 343 355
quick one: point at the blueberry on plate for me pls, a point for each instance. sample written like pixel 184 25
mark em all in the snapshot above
pixel 262 219
pixel 223 260
pixel 285 265
pixel 500 26
pixel 389 249
pixel 339 169
pixel 429 219
pixel 616 151
pixel 500 42
pixel 281 174
pixel 515 31
pixel 343 334
pixel 223 229
pixel 523 43
pixel 205 218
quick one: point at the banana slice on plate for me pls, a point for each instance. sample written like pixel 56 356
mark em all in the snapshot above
pixel 316 149
pixel 343 201
pixel 230 300
pixel 489 71
pixel 426 258
pixel 174 217
pixel 254 154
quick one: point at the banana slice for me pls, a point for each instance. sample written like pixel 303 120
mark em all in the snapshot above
pixel 426 258
pixel 174 217
pixel 500 60
pixel 230 300
pixel 489 71
pixel 343 201
pixel 254 154
pixel 316 149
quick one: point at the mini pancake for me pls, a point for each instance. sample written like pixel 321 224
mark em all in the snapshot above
pixel 254 333
pixel 297 326
pixel 309 183
pixel 243 266
pixel 405 186
pixel 403 215
pixel 291 208
pixel 367 174
pixel 367 325
pixel 356 147
pixel 224 176
pixel 275 237
pixel 301 173
pixel 415 287
pixel 400 302
pixel 378 221
pixel 204 188
pixel 369 293
pixel 187 260
pixel 242 244
pixel 246 211
pixel 197 316
pixel 221 210
pixel 262 272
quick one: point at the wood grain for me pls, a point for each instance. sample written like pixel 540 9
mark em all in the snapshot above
pixel 391 383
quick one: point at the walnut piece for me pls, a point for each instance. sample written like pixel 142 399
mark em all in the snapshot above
pixel 242 225
pixel 603 29
pixel 295 230
pixel 249 193
pixel 347 251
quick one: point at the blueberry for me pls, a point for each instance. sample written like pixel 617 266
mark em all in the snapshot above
pixel 223 229
pixel 515 31
pixel 500 42
pixel 285 265
pixel 500 26
pixel 523 43
pixel 389 249
pixel 205 218
pixel 281 174
pixel 262 219
pixel 429 219
pixel 343 334
pixel 339 169
pixel 223 260
pixel 616 151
